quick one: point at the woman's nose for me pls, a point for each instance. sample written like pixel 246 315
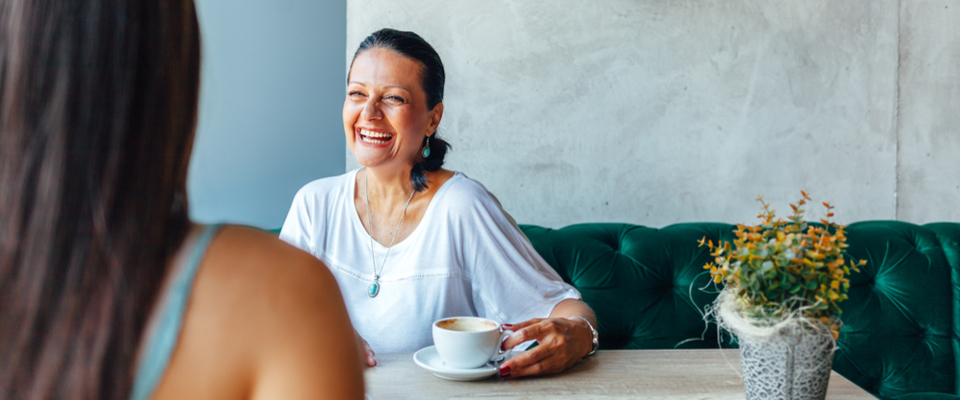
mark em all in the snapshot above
pixel 371 110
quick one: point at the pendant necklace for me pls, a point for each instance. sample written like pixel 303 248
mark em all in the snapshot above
pixel 374 287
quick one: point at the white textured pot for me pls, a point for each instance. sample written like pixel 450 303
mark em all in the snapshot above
pixel 792 365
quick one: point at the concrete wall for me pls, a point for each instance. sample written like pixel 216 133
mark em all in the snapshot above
pixel 272 90
pixel 658 112
pixel 928 167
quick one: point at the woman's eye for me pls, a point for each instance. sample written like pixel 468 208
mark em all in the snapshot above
pixel 396 99
pixel 355 94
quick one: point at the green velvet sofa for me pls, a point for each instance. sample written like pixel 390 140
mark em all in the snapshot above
pixel 901 321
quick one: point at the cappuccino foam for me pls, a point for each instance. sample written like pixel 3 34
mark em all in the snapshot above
pixel 467 325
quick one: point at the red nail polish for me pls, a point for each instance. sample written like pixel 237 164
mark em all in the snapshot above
pixel 505 371
pixel 507 325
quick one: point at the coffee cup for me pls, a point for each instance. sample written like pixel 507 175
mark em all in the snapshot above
pixel 468 342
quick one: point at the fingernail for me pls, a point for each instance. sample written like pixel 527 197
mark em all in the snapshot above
pixel 507 325
pixel 505 371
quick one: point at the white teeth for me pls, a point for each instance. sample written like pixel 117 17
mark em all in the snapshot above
pixel 374 137
pixel 373 141
pixel 371 134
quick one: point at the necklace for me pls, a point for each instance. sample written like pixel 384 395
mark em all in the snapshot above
pixel 374 289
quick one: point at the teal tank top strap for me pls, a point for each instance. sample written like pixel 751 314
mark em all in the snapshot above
pixel 155 357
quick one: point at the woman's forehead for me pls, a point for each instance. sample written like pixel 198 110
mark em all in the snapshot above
pixel 385 67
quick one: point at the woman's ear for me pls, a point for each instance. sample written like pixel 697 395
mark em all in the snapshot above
pixel 433 120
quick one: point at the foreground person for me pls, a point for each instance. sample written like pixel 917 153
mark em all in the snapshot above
pixel 411 242
pixel 107 290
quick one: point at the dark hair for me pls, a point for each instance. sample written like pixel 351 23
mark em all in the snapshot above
pixel 409 44
pixel 98 103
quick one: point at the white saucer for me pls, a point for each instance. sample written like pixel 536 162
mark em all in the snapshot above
pixel 428 359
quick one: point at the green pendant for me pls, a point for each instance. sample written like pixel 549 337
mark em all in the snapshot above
pixel 373 289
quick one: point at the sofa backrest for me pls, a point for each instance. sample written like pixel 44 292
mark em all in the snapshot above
pixel 649 291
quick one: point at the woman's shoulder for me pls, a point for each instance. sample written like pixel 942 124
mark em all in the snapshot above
pixel 245 261
pixel 252 248
pixel 461 188
pixel 464 195
pixel 253 300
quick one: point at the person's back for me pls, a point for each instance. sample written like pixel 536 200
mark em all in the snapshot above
pixel 107 291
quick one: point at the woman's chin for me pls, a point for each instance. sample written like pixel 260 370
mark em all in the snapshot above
pixel 371 160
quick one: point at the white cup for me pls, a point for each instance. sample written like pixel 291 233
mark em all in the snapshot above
pixel 468 342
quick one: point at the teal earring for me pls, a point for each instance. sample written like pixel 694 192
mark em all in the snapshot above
pixel 426 148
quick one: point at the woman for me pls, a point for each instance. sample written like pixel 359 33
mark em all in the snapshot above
pixel 410 242
pixel 107 291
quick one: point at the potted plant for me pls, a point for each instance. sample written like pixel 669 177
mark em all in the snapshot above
pixel 782 285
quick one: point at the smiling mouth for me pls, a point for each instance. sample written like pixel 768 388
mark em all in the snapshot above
pixel 374 137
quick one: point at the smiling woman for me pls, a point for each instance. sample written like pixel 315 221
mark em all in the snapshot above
pixel 416 66
pixel 410 242
pixel 386 120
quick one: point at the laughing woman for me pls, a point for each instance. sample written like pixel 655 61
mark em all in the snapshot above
pixel 410 242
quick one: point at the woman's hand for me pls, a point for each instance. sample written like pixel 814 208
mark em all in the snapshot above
pixel 562 342
pixel 366 353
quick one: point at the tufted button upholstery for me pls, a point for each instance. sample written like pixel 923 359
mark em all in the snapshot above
pixel 649 289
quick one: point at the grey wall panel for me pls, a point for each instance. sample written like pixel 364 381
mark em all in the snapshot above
pixel 929 173
pixel 656 112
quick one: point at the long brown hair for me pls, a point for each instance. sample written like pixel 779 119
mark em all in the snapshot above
pixel 98 102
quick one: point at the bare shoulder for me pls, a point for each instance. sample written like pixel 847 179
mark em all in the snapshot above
pixel 254 266
pixel 247 253
pixel 262 314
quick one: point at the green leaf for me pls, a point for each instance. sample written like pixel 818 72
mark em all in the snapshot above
pixel 773 287
pixel 766 266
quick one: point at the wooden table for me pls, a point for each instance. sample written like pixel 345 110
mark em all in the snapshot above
pixel 608 374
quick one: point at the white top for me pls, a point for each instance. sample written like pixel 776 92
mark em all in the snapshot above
pixel 467 257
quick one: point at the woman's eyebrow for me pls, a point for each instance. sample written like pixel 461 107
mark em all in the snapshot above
pixel 385 87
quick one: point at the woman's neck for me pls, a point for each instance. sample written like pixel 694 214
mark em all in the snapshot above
pixel 387 186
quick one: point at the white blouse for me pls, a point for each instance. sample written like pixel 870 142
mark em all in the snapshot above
pixel 466 257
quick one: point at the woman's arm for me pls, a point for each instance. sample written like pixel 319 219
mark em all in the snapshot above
pixel 572 308
pixel 514 283
pixel 564 338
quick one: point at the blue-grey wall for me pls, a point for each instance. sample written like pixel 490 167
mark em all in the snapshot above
pixel 270 104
